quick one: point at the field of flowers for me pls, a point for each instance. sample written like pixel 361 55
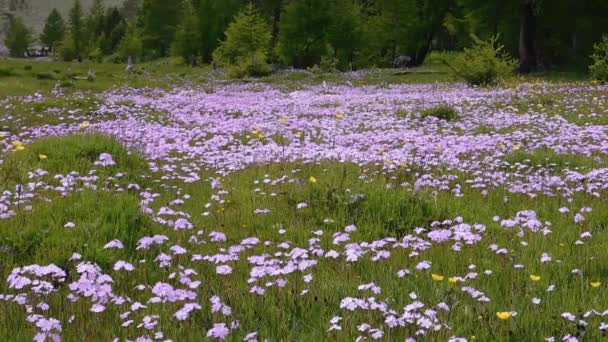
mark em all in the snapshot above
pixel 252 212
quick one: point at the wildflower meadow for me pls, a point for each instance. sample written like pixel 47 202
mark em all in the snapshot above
pixel 330 211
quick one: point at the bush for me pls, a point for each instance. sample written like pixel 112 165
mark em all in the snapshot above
pixel 67 50
pixel 599 68
pixel 7 72
pixel 328 64
pixel 443 112
pixel 483 64
pixel 96 55
pixel 245 50
pixel 130 46
pixel 18 38
pixel 45 75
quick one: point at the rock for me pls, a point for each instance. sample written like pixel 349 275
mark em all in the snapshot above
pixel 129 68
pixel 401 61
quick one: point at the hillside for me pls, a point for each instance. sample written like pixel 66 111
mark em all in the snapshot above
pixel 34 12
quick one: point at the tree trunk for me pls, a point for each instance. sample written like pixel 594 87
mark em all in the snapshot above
pixel 527 37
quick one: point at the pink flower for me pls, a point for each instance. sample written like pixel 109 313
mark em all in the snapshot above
pixel 219 331
pixel 223 269
pixel 114 244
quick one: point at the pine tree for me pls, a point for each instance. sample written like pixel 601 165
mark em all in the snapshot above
pixel 214 17
pixel 77 29
pixel 130 45
pixel 114 27
pixel 302 32
pixel 158 22
pixel 344 33
pixel 54 29
pixel 245 50
pixel 187 37
pixel 18 38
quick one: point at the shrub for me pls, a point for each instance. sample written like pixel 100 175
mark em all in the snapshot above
pixel 96 55
pixel 45 75
pixel 130 46
pixel 599 68
pixel 6 72
pixel 442 112
pixel 67 50
pixel 245 50
pixel 328 64
pixel 18 38
pixel 483 64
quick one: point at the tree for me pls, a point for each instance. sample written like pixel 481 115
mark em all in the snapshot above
pixel 131 45
pixel 527 37
pixel 54 29
pixel 66 48
pixel 245 49
pixel 130 9
pixel 302 32
pixel 187 37
pixel 18 38
pixel 214 17
pixel 344 33
pixel 158 22
pixel 77 29
pixel 95 19
pixel 114 28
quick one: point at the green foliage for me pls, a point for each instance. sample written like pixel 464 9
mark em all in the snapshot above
pixel 77 28
pixel 245 50
pixel 158 22
pixel 7 72
pixel 54 29
pixel 328 64
pixel 18 38
pixel 96 55
pixel 214 17
pixel 442 112
pixel 67 49
pixel 599 68
pixel 187 38
pixel 302 30
pixel 130 45
pixel 483 64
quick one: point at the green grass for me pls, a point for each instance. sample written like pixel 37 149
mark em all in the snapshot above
pixel 39 237
pixel 24 77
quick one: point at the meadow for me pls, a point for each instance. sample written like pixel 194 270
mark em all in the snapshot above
pixel 176 205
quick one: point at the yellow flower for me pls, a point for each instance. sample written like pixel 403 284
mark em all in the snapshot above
pixel 516 148
pixel 595 284
pixel 438 148
pixel 504 315
pixel 534 278
pixel 382 150
pixel 339 116
pixel 2 136
pixel 42 156
pixel 84 125
pixel 502 147
pixel 404 165
pixel 255 132
pixel 16 143
pixel 437 277
pixel 19 148
pixel 298 134
pixel 283 121
pixel 260 136
pixel 312 180
pixel 452 280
